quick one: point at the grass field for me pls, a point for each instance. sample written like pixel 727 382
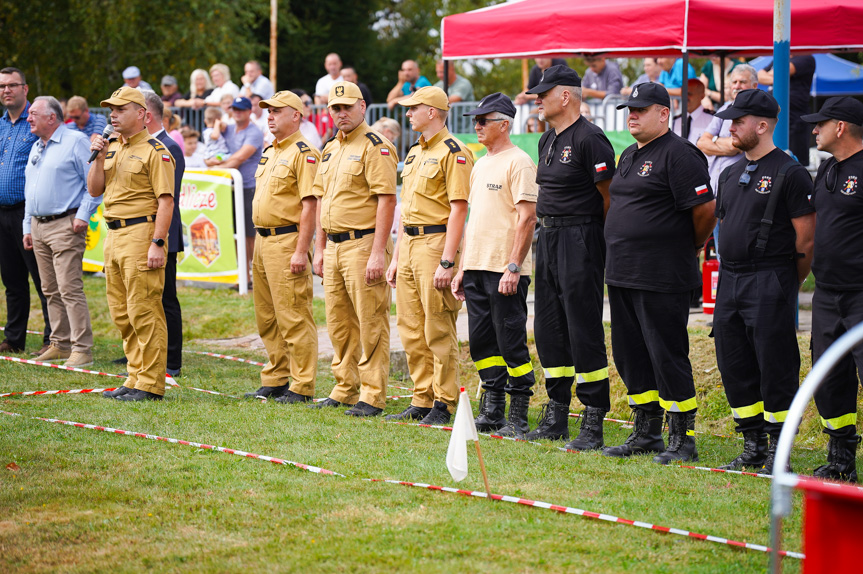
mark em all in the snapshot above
pixel 78 500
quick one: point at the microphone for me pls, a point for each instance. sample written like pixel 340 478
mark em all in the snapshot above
pixel 109 129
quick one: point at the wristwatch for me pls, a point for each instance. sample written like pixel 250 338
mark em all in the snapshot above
pixel 160 242
pixel 447 264
pixel 513 268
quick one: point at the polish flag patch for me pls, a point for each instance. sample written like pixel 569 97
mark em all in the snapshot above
pixel 311 159
pixel 385 151
pixel 701 190
pixel 166 157
pixel 460 159
pixel 600 167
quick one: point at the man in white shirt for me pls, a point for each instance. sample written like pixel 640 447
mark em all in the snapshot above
pixel 697 117
pixel 333 65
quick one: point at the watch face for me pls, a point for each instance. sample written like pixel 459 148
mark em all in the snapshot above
pixel 513 268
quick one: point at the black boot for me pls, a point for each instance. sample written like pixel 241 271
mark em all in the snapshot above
pixel 681 439
pixel 841 459
pixel 646 437
pixel 772 442
pixel 754 452
pixel 492 409
pixel 516 424
pixel 590 435
pixel 553 422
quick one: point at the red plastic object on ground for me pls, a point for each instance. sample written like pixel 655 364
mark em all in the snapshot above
pixel 832 526
pixel 709 281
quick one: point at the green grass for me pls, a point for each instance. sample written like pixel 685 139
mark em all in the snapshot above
pixel 83 501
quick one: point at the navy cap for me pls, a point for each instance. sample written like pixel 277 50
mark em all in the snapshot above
pixel 843 109
pixel 559 75
pixel 751 103
pixel 241 103
pixel 495 102
pixel 645 95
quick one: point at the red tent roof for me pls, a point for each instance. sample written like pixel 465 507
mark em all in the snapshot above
pixel 628 28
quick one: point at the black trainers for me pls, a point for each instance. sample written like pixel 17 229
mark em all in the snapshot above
pixel 328 402
pixel 439 415
pixel 118 392
pixel 137 395
pixel 290 398
pixel 268 392
pixel 411 413
pixel 362 409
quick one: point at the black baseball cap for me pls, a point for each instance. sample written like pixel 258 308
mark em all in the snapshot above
pixel 844 109
pixel 558 75
pixel 645 95
pixel 752 102
pixel 495 102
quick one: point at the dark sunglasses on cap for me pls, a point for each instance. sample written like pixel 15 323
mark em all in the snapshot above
pixel 745 178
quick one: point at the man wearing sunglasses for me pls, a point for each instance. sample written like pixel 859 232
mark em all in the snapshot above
pixel 661 213
pixel 838 267
pixel 763 264
pixel 576 163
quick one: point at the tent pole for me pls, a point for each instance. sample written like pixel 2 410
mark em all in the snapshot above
pixel 781 66
pixel 684 97
pixel 524 74
pixel 721 78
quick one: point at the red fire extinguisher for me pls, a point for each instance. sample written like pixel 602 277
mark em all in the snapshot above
pixel 709 277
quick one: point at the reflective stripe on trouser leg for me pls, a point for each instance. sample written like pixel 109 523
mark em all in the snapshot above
pixel 427 321
pixel 840 422
pixel 679 406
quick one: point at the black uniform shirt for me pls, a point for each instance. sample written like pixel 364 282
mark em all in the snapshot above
pixel 838 262
pixel 744 208
pixel 577 158
pixel 648 230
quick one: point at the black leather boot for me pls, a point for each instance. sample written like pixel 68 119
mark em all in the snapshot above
pixel 681 439
pixel 841 459
pixel 492 411
pixel 646 437
pixel 553 423
pixel 754 452
pixel 772 442
pixel 590 435
pixel 516 424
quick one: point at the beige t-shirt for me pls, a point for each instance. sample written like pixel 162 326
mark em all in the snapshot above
pixel 497 183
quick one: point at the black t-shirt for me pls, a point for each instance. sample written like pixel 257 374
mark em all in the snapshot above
pixel 838 262
pixel 744 207
pixel 800 86
pixel 535 73
pixel 206 93
pixel 648 231
pixel 578 158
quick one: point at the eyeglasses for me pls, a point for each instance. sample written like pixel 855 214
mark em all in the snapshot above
pixel 483 121
pixel 307 102
pixel 745 178
pixel 40 147
pixel 625 165
pixel 550 153
pixel 10 86
pixel 832 178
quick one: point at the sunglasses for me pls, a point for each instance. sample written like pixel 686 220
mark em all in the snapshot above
pixel 550 153
pixel 625 165
pixel 745 177
pixel 40 147
pixel 483 121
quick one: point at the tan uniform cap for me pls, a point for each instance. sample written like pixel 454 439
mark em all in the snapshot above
pixel 123 96
pixel 283 99
pixel 430 96
pixel 346 93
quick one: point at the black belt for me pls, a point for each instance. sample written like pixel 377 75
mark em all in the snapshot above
pixel 267 231
pixel 427 230
pixel 18 205
pixel 751 266
pixel 567 221
pixel 356 234
pixel 118 223
pixel 47 218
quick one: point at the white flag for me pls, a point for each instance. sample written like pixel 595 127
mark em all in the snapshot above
pixel 463 430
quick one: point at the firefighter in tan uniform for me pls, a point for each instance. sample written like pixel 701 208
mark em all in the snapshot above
pixel 356 185
pixel 136 174
pixel 436 185
pixel 283 212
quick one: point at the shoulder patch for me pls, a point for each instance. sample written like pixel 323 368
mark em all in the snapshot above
pixel 375 138
pixel 266 148
pixel 453 147
pixel 326 157
pixel 303 147
pixel 410 159
pixel 110 154
pixel 263 160
pixel 157 145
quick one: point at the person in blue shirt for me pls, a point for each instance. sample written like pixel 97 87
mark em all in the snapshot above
pixel 56 214
pixel 671 75
pixel 82 120
pixel 410 80
pixel 15 261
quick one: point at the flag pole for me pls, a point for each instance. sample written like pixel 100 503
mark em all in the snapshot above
pixel 482 468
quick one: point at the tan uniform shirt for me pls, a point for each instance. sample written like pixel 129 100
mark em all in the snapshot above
pixel 497 183
pixel 355 168
pixel 285 176
pixel 137 173
pixel 436 172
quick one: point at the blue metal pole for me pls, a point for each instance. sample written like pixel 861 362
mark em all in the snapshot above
pixel 781 63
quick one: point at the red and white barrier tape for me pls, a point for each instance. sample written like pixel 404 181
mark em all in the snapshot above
pixel 726 471
pixel 242 453
pixel 595 515
pixel 67 392
pixel 449 429
pixel 392 398
pixel 61 367
pixel 30 332
pixel 228 357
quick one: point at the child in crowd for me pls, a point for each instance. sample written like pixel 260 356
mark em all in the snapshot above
pixel 215 145
pixel 191 153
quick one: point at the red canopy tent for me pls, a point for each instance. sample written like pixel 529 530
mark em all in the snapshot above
pixel 630 28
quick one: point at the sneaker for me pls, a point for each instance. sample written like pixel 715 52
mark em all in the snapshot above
pixel 362 409
pixel 6 347
pixel 328 402
pixel 137 395
pixel 439 415
pixel 268 392
pixel 41 351
pixel 53 353
pixel 119 391
pixel 77 359
pixel 291 398
pixel 411 413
